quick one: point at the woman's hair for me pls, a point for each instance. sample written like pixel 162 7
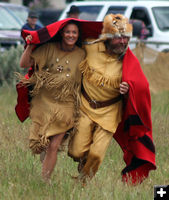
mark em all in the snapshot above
pixel 58 36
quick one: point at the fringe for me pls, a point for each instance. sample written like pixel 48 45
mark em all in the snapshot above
pixel 61 87
pixel 77 109
pixel 38 146
pixel 21 78
pixel 96 78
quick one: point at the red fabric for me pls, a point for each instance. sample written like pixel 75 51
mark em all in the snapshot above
pixel 22 107
pixel 138 104
pixel 88 29
pixel 138 175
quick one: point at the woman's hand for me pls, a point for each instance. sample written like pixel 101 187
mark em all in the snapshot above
pixel 28 39
pixel 26 60
pixel 124 88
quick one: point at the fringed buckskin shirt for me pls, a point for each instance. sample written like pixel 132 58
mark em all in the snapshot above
pixel 102 75
pixel 56 81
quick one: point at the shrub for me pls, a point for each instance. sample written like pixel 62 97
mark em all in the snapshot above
pixel 9 63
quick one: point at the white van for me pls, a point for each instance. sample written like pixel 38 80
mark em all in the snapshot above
pixel 154 14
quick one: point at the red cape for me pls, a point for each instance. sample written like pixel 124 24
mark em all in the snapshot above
pixel 134 134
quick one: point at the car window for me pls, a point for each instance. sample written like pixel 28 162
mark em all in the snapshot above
pixel 20 13
pixel 89 12
pixel 116 10
pixel 161 15
pixel 141 13
pixel 7 21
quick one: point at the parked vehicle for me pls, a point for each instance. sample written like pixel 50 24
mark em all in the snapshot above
pixel 12 18
pixel 154 14
pixel 19 12
pixel 9 30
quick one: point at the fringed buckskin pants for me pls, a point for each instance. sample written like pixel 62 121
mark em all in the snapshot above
pixel 89 145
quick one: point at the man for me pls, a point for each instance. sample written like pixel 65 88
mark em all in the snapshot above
pixel 115 102
pixel 140 29
pixel 73 12
pixel 31 22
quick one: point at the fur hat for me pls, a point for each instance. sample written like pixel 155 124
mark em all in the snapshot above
pixel 116 25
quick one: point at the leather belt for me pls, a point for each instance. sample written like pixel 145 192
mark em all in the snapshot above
pixel 100 104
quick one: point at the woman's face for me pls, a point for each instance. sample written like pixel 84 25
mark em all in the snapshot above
pixel 70 34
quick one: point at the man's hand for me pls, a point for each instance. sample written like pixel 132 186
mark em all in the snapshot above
pixel 124 87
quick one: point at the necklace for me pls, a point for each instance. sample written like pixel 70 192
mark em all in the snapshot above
pixel 66 49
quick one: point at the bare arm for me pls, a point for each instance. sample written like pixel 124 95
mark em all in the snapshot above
pixel 26 60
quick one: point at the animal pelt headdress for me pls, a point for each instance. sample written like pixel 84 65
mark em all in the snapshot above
pixel 114 25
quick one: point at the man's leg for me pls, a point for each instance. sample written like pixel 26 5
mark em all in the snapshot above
pixel 80 142
pixel 101 141
pixel 51 156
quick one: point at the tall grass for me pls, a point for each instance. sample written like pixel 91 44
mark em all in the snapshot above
pixel 20 171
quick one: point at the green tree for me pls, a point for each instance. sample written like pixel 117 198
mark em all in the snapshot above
pixel 34 4
pixel 26 2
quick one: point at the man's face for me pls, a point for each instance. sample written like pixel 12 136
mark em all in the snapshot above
pixel 74 15
pixel 117 45
pixel 32 20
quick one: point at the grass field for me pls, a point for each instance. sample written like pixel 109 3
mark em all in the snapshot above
pixel 20 172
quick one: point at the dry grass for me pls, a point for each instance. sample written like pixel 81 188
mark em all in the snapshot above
pixel 155 66
pixel 20 172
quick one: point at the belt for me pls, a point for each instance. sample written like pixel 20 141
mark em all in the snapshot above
pixel 100 104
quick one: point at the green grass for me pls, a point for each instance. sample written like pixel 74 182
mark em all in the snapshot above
pixel 20 171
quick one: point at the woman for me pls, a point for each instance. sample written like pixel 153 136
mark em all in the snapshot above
pixel 56 84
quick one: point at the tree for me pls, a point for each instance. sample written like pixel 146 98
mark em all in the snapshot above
pixel 33 4
pixel 26 2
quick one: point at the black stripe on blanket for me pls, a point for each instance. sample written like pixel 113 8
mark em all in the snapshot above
pixel 132 120
pixel 43 34
pixel 135 163
pixel 147 142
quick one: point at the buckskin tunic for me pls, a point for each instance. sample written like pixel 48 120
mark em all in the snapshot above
pixel 56 86
pixel 102 76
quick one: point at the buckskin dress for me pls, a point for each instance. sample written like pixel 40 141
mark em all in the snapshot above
pixel 56 85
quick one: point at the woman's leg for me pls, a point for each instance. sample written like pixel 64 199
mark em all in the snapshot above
pixel 51 156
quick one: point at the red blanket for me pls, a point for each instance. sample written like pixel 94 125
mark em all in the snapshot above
pixel 88 29
pixel 134 133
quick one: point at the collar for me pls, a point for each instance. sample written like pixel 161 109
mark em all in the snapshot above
pixel 101 47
